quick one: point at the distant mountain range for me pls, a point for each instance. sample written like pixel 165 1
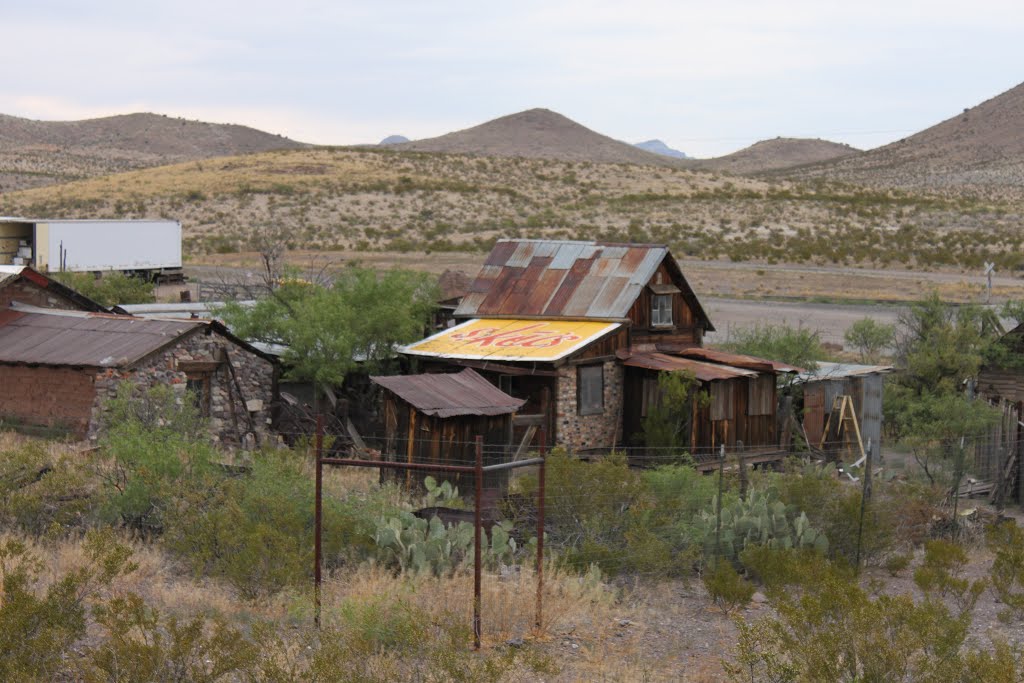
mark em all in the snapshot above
pixel 659 147
pixel 981 148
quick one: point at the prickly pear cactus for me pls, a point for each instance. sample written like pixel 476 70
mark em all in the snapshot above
pixel 762 519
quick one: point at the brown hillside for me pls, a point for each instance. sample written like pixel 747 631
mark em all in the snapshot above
pixel 537 134
pixel 38 153
pixel 980 149
pixel 777 154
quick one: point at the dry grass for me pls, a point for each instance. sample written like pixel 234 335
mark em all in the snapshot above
pixel 370 201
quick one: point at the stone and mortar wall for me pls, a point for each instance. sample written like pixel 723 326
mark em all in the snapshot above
pixel 579 432
pixel 255 382
pixel 53 397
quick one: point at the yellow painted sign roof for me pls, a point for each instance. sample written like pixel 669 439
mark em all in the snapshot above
pixel 511 340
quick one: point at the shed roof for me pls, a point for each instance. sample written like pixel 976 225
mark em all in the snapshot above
pixel 47 337
pixel 705 372
pixel 739 360
pixel 566 279
pixel 827 371
pixel 450 395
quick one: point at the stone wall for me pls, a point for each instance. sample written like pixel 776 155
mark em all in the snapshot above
pixel 580 432
pixel 61 398
pixel 240 403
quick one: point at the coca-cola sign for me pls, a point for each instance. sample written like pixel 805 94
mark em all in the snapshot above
pixel 512 339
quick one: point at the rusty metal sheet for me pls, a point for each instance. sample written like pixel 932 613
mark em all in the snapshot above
pixel 738 360
pixel 622 270
pixel 503 249
pixel 85 339
pixel 705 372
pixel 451 395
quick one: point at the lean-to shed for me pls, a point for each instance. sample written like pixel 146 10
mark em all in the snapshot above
pixel 863 383
pixel 435 418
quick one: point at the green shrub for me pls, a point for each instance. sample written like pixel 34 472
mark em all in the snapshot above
pixel 155 447
pixel 38 627
pixel 256 530
pixel 727 588
pixel 40 492
pixel 1006 541
pixel 112 289
pixel 896 563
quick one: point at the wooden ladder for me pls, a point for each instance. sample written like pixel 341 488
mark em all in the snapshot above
pixel 845 425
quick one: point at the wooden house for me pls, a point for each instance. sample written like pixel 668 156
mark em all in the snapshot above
pixel 436 419
pixel 579 330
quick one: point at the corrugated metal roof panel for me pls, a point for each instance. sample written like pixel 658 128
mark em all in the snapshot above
pixel 523 254
pixel 739 360
pixel 582 279
pixel 85 339
pixel 451 395
pixel 705 372
pixel 826 371
pixel 566 255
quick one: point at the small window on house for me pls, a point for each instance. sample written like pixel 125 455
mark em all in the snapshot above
pixel 661 310
pixel 760 395
pixel 590 389
pixel 721 401
pixel 198 388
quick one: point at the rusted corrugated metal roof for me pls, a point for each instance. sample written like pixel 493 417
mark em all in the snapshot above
pixel 739 360
pixel 561 279
pixel 450 395
pixel 44 337
pixel 705 372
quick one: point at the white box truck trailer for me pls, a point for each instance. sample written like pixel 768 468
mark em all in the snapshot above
pixel 151 249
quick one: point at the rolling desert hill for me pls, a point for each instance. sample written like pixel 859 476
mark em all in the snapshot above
pixel 39 153
pixel 980 149
pixel 537 134
pixel 777 154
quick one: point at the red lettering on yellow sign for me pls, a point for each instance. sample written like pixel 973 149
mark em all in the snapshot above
pixel 528 337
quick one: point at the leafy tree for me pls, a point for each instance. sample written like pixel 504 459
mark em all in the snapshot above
pixel 869 337
pixel 797 346
pixel 328 330
pixel 111 289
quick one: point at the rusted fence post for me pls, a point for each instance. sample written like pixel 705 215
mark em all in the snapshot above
pixel 865 496
pixel 718 505
pixel 477 533
pixel 538 621
pixel 318 518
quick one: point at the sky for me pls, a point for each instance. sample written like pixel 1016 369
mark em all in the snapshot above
pixel 707 77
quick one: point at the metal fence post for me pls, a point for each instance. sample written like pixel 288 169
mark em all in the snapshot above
pixel 541 494
pixel 718 505
pixel 318 518
pixel 477 529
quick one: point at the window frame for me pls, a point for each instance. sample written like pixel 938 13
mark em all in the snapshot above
pixel 661 306
pixel 589 374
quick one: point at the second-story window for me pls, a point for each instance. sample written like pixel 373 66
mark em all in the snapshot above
pixel 661 310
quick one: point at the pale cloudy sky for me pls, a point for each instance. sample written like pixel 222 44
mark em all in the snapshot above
pixel 706 77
